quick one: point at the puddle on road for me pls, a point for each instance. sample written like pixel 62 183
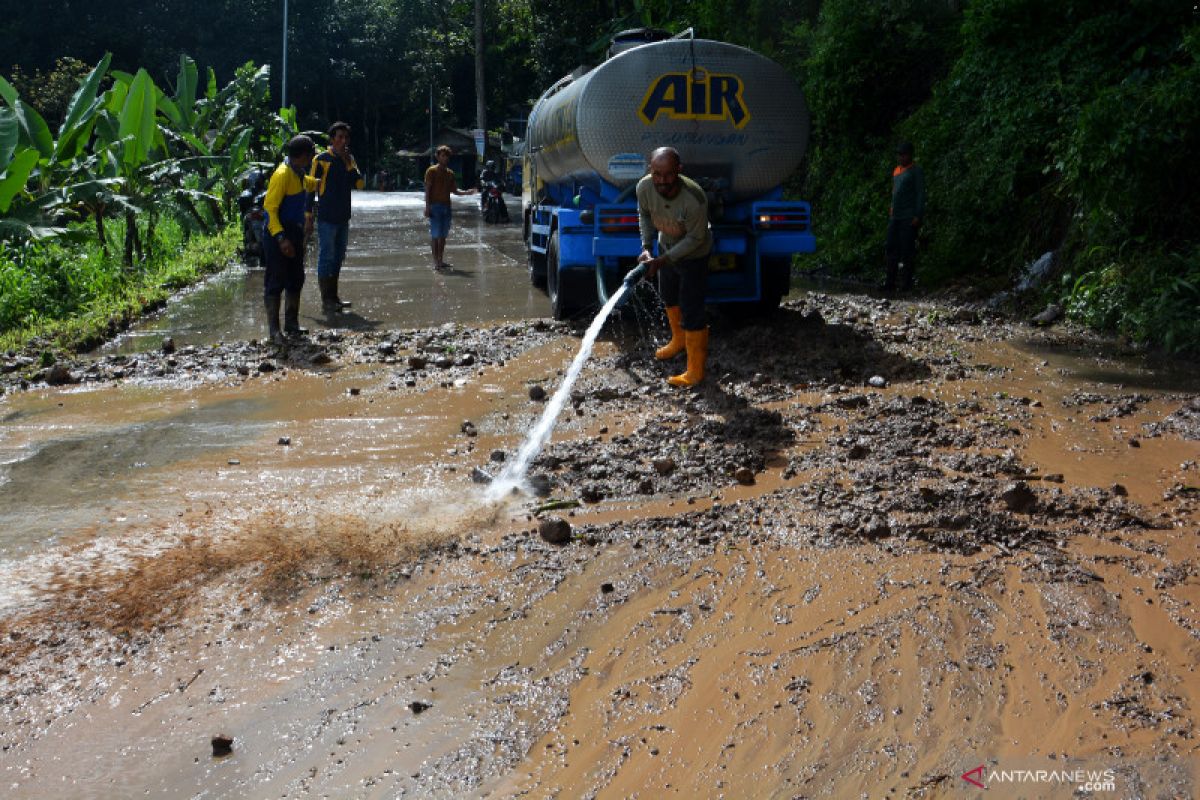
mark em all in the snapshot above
pixel 386 276
pixel 94 478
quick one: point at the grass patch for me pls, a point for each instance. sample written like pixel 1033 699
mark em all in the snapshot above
pixel 58 298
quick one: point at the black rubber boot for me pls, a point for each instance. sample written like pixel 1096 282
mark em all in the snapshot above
pixel 291 314
pixel 271 302
pixel 328 287
pixel 333 292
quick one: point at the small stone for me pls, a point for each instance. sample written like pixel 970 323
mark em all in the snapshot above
pixel 1049 315
pixel 233 462
pixel 444 362
pixel 592 493
pixel 222 745
pixel 354 391
pixel 1054 477
pixel 539 485
pixel 498 456
pixel 59 375
pixel 744 476
pixel 417 706
pixel 1019 497
pixel 555 530
pixel 285 440
pixel 1119 490
pixel 416 362
pixel 537 393
pixel 877 381
pixel 875 527
pixel 266 366
pixel 479 476
pixel 1134 443
pixel 857 451
pixel 168 345
pixel 606 588
pixel 664 466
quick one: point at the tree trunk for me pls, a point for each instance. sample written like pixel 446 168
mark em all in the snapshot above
pixel 151 223
pixel 100 231
pixel 130 238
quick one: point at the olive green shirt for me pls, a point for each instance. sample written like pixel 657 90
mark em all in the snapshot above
pixel 681 222
pixel 908 192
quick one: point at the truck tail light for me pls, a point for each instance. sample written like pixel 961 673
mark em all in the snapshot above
pixel 793 216
pixel 618 222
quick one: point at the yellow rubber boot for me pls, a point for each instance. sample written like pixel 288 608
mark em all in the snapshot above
pixel 676 345
pixel 697 354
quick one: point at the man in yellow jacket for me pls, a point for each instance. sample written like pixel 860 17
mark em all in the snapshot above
pixel 288 223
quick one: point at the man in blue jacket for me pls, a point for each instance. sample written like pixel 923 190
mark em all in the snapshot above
pixel 337 173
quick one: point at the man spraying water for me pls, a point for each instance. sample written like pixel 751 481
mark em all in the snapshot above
pixel 674 209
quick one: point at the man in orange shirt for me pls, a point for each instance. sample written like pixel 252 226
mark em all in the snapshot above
pixel 439 185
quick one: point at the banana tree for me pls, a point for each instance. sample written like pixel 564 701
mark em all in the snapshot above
pixel 40 173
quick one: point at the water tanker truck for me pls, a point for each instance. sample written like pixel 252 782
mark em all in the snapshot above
pixel 740 124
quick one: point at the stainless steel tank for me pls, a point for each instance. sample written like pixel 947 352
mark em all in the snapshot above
pixel 731 113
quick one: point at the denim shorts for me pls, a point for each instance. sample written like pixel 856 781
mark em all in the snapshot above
pixel 439 220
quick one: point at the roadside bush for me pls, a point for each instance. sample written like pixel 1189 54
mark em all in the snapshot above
pixel 1071 127
pixel 1152 300
pixel 73 294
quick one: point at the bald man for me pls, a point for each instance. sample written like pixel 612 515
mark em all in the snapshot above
pixel 673 210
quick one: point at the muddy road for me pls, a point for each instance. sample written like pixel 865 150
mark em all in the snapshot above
pixel 887 544
pixel 386 276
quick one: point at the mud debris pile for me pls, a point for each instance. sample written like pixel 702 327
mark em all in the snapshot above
pixel 788 583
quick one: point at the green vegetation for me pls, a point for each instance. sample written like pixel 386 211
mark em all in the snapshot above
pixel 73 297
pixel 128 201
pixel 1066 127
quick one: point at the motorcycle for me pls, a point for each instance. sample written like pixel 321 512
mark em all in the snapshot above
pixel 492 203
pixel 250 206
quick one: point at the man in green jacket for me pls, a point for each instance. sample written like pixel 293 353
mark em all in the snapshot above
pixel 673 209
pixel 904 219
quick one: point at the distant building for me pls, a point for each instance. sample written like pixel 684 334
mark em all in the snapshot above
pixel 465 162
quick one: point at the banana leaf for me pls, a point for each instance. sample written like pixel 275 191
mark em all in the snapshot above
pixel 14 178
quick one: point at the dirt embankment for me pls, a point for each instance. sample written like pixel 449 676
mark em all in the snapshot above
pixel 881 547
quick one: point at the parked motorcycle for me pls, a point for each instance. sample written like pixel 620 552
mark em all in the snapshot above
pixel 250 206
pixel 492 201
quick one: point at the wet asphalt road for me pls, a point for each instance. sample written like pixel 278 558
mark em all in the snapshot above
pixel 387 276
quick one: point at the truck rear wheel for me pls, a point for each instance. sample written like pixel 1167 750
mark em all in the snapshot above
pixel 570 290
pixel 537 261
pixel 558 305
pixel 776 281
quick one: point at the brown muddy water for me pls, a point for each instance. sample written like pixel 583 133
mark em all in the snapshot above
pixel 790 583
